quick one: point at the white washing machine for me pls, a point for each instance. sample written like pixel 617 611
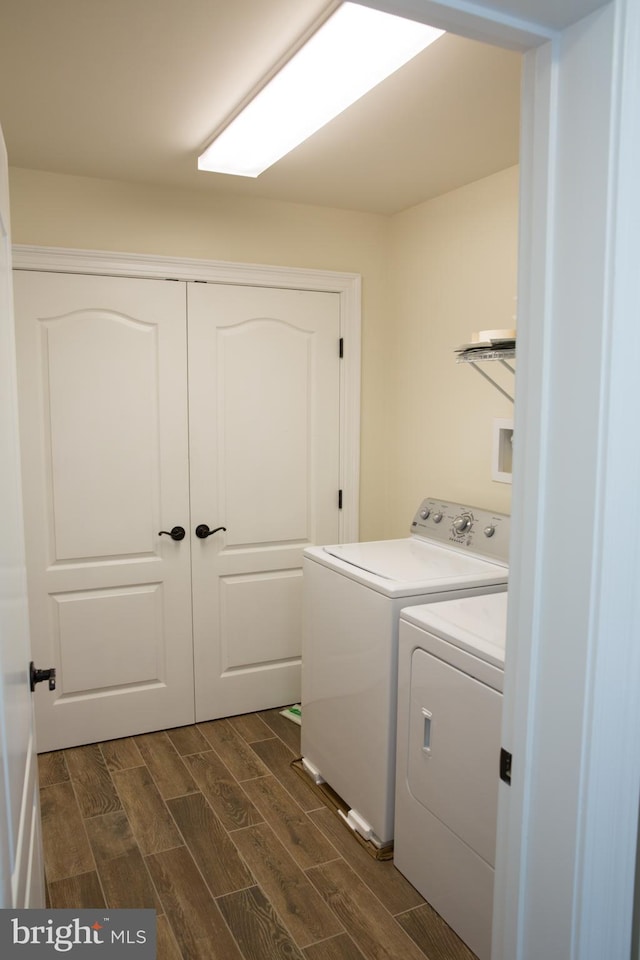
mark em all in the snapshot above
pixel 450 674
pixel 353 594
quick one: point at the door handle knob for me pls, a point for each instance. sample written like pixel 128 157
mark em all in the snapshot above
pixel 176 533
pixel 37 676
pixel 202 531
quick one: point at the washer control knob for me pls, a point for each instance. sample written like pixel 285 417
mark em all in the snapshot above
pixel 437 517
pixel 489 531
pixel 461 524
pixel 425 513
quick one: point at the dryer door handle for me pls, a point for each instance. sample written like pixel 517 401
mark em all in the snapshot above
pixel 426 740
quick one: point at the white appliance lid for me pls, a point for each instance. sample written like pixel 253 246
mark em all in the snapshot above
pixel 411 560
pixel 476 624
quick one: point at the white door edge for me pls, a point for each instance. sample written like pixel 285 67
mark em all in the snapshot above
pixel 346 285
pixel 21 855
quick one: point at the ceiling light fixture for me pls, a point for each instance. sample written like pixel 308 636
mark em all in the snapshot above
pixel 347 56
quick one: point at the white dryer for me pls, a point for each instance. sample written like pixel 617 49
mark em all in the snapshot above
pixel 353 594
pixel 450 675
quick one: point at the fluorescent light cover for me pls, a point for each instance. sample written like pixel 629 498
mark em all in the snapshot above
pixel 352 52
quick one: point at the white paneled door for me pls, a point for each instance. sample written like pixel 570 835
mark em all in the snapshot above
pixel 102 367
pixel 264 417
pixel 124 611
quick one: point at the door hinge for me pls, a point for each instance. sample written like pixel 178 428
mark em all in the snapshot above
pixel 341 344
pixel 505 765
pixel 339 499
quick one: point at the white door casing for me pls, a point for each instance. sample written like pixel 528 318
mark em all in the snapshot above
pixel 264 426
pixel 21 862
pixel 102 372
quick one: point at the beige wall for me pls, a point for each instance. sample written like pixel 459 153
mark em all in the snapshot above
pixel 430 276
pixel 453 272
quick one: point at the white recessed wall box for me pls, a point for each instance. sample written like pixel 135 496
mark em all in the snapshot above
pixel 502 458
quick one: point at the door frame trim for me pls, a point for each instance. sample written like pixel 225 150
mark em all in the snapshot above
pixel 346 285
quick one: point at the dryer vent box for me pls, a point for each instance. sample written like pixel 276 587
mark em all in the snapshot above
pixel 502 450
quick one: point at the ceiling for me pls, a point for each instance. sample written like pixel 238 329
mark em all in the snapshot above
pixel 133 89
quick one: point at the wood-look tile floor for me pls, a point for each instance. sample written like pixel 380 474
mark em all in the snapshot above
pixel 210 826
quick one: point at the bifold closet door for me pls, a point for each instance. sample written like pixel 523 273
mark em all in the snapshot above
pixel 102 370
pixel 264 426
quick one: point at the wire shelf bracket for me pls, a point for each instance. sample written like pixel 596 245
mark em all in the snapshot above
pixel 501 356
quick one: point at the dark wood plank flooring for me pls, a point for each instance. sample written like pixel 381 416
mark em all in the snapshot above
pixel 211 827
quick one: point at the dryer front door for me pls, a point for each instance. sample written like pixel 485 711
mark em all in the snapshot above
pixel 452 760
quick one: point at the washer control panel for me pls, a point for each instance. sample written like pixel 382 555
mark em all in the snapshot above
pixel 483 533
